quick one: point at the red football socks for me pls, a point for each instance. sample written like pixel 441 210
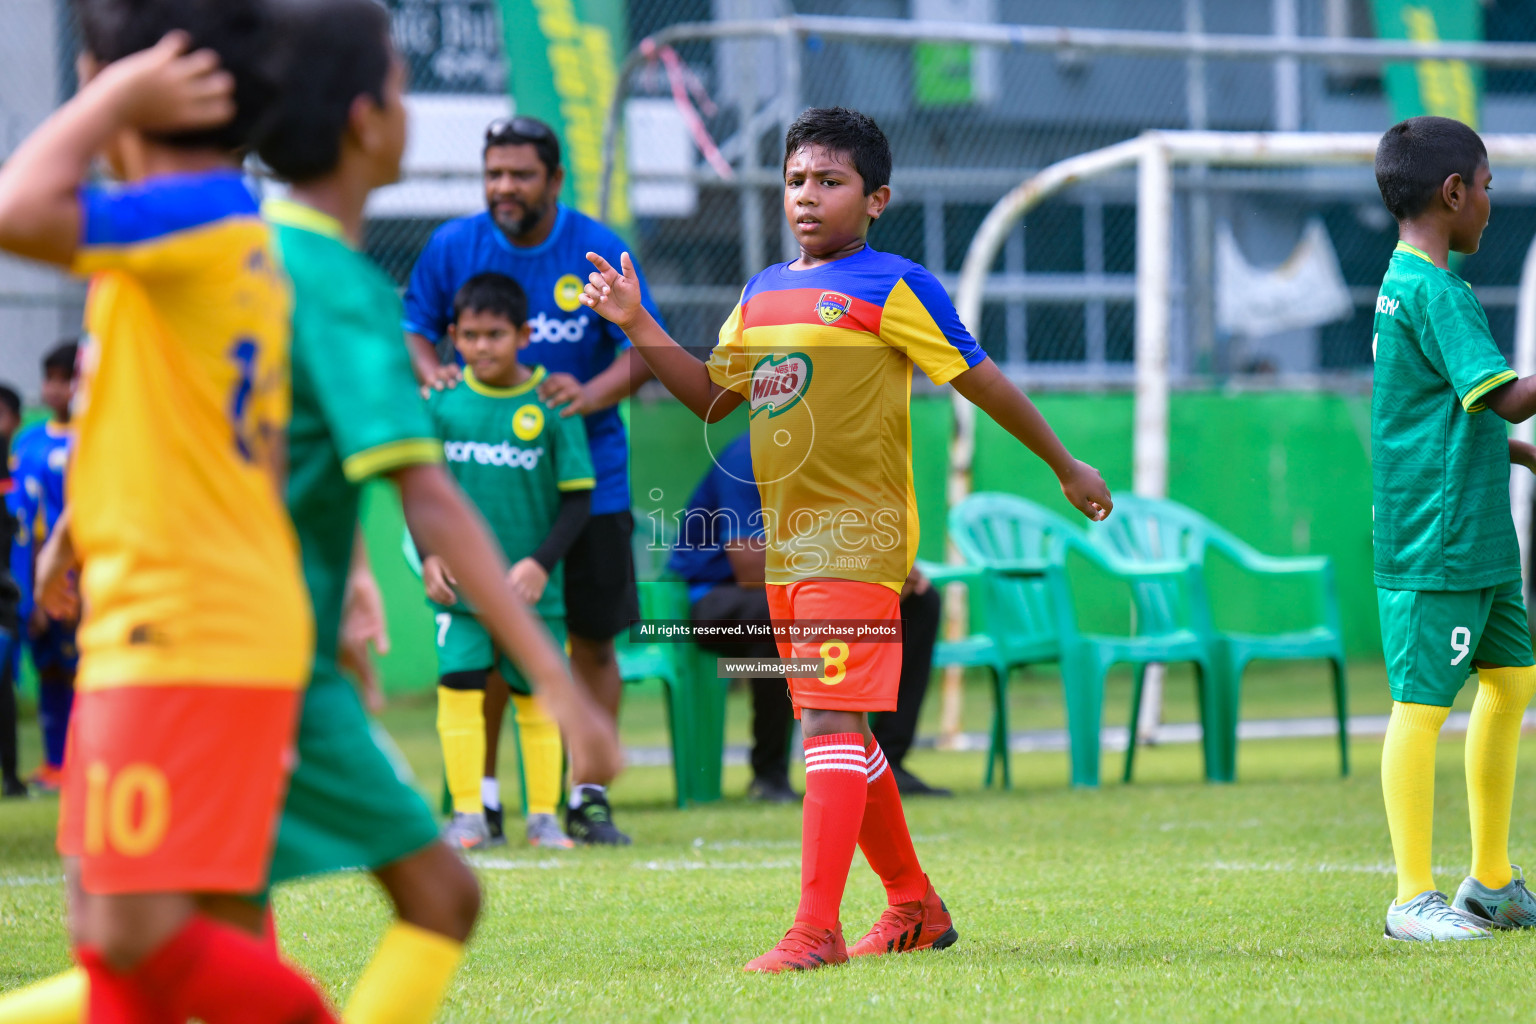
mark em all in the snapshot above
pixel 209 971
pixel 835 789
pixel 884 838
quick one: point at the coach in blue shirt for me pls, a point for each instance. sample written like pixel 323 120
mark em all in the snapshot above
pixel 527 234
pixel 720 553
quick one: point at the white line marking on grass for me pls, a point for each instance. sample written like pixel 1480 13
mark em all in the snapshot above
pixel 1290 867
pixel 700 843
pixel 1113 738
pixel 25 881
pixel 502 864
pixel 554 864
pixel 717 865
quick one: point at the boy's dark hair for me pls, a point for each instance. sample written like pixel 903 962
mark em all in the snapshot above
pixel 845 131
pixel 329 53
pixel 239 31
pixel 10 399
pixel 61 359
pixel 492 293
pixel 1415 157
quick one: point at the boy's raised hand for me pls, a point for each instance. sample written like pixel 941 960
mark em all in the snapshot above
pixel 613 294
pixel 165 88
pixel 1087 491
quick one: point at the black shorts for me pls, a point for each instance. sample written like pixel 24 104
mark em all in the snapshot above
pixel 600 596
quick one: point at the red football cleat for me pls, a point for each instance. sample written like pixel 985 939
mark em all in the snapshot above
pixel 804 948
pixel 47 779
pixel 922 924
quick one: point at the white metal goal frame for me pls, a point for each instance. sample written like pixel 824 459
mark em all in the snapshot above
pixel 1154 154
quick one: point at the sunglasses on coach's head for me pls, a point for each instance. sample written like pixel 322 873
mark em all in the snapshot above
pixel 506 131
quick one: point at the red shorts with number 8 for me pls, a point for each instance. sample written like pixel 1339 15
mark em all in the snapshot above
pixel 860 676
pixel 176 788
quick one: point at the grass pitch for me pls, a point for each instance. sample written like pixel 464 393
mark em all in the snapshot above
pixel 1165 899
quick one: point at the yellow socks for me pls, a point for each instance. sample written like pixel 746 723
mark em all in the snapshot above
pixel 407 977
pixel 1493 739
pixel 543 755
pixel 1408 784
pixel 56 1000
pixel 461 728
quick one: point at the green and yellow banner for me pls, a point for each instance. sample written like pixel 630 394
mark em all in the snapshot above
pixel 1448 88
pixel 565 57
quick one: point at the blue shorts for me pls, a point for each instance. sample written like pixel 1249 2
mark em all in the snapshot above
pixel 53 650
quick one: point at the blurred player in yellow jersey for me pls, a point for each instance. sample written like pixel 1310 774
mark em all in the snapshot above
pixel 197 634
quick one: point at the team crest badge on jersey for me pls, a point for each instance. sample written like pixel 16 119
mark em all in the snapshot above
pixel 568 292
pixel 831 307
pixel 779 382
pixel 527 422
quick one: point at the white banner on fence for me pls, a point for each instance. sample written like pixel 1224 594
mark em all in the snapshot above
pixel 1307 290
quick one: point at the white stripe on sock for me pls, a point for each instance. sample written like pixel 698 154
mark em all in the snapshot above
pixel 876 762
pixel 836 768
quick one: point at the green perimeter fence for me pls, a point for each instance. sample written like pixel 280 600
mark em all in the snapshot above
pixel 1288 472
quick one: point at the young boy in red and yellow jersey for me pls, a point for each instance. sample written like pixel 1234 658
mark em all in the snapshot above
pixel 822 348
pixel 197 634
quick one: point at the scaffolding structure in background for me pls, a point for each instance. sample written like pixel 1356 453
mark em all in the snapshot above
pixel 1059 312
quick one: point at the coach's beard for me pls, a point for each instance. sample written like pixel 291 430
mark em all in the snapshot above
pixel 517 227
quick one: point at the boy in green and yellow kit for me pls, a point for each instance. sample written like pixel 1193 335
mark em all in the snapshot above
pixel 1447 559
pixel 529 472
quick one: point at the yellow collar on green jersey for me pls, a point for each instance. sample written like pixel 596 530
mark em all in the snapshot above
pixel 480 388
pixel 297 215
pixel 1405 247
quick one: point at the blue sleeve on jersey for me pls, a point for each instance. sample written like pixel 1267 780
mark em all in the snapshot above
pixel 160 206
pixel 55 461
pixel 20 506
pixel 936 301
pixel 428 306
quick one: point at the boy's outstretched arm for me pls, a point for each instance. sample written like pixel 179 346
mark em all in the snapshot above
pixel 615 296
pixel 985 387
pixel 1515 401
pixel 443 523
pixel 161 88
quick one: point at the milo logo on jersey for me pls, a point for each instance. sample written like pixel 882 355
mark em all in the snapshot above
pixel 779 382
pixel 483 454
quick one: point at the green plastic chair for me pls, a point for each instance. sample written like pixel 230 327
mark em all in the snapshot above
pixel 1147 528
pixel 1024 547
pixel 1025 640
pixel 695 698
